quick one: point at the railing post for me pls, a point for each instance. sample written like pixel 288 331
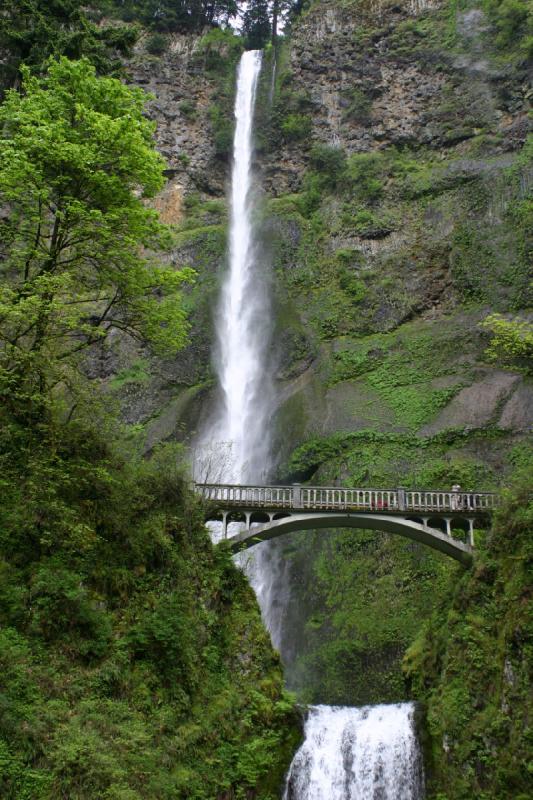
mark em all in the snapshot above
pixel 296 495
pixel 400 493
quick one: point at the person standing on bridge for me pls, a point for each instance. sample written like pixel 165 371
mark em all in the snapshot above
pixel 455 498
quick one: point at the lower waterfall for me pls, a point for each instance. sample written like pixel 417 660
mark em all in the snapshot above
pixel 368 753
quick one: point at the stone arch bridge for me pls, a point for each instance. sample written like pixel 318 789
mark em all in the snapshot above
pixel 424 516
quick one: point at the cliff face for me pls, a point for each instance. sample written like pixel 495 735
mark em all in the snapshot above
pixel 408 74
pixel 393 158
pixel 412 227
pixel 396 191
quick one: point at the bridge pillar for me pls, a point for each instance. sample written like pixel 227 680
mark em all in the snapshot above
pixel 471 532
pixel 247 515
pixel 296 495
pixel 425 521
pixel 400 494
pixel 448 521
pixel 225 524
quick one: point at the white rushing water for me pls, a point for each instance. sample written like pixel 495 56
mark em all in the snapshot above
pixel 235 443
pixel 368 753
pixel 238 432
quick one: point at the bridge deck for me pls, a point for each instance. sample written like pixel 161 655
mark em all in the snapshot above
pixel 334 499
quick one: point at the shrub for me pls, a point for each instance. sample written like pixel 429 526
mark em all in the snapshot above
pixel 358 106
pixel 329 162
pixel 296 127
pixel 222 128
pixel 219 48
pixel 512 341
pixel 364 176
pixel 156 44
pixel 187 108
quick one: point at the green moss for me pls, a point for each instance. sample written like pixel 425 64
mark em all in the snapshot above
pixel 358 106
pixel 296 127
pixel 138 372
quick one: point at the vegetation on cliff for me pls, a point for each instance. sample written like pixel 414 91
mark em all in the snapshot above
pixel 134 662
pixel 471 667
pixel 33 30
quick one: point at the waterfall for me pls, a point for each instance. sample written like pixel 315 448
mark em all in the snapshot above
pixel 234 446
pixel 368 753
pixel 237 438
pixel 348 753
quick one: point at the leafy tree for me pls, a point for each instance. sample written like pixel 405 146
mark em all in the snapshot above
pixel 33 30
pixel 176 15
pixel 77 161
pixel 256 24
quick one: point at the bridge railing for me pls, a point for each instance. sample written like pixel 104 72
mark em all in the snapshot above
pixel 342 499
pixel 450 501
pixel 249 496
pixel 325 498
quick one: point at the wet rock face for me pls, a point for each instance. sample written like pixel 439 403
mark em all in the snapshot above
pixel 370 78
pixel 182 94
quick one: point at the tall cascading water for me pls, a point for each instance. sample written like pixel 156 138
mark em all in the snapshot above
pixel 368 753
pixel 235 443
pixel 348 753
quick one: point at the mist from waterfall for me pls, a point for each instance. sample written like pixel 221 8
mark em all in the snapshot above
pixel 369 753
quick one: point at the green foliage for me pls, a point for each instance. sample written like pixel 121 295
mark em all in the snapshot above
pixel 256 24
pixel 367 593
pixel 136 373
pixel 366 223
pixel 358 106
pixel 174 15
pixel 514 23
pixel 33 30
pixel 77 161
pixel 187 108
pixel 156 44
pixel 296 127
pixel 400 367
pixel 219 49
pixel 364 176
pixel 122 630
pixel 374 458
pixel 328 161
pixel 511 343
pixel 470 666
pixel 222 129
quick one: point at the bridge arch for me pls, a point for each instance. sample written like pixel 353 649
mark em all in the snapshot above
pixel 432 537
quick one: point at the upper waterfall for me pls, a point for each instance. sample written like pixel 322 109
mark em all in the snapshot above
pixel 239 431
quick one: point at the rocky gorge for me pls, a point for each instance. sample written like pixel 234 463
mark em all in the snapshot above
pixel 393 167
pixel 395 171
